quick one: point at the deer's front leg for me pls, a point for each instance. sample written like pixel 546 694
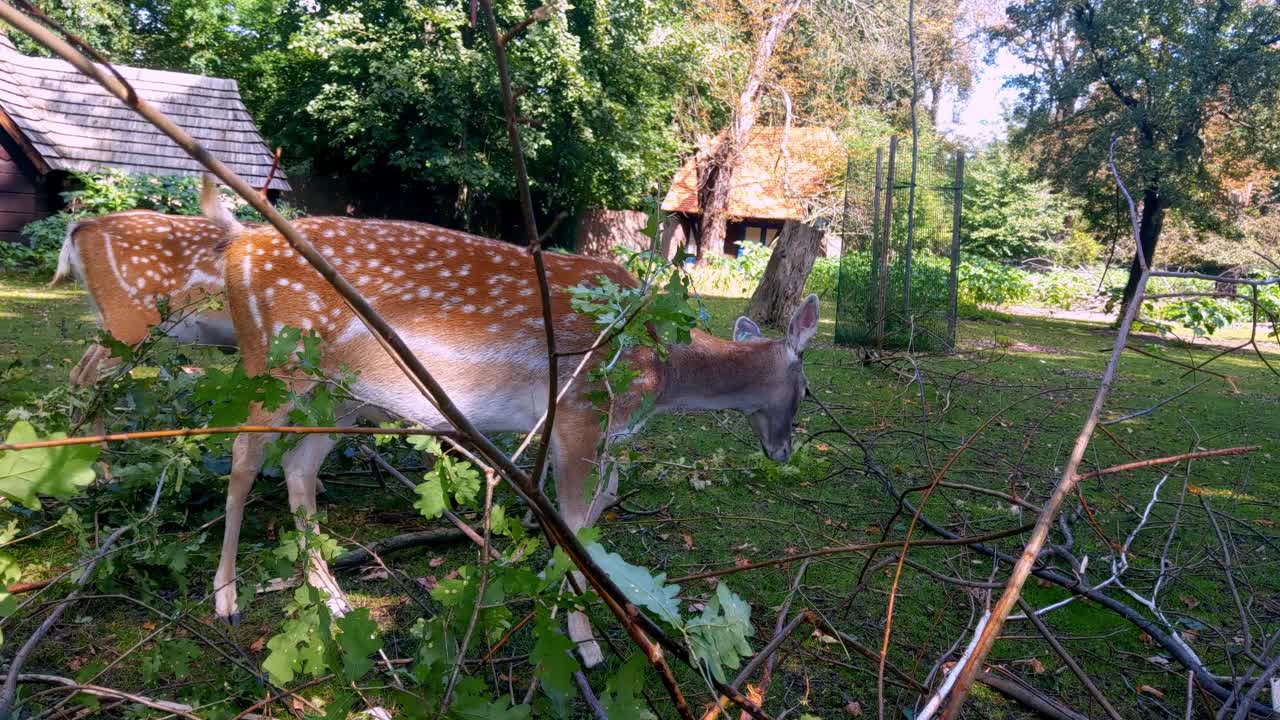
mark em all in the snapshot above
pixel 246 460
pixel 575 440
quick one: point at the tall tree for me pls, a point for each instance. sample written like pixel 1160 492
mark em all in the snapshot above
pixel 716 169
pixel 1152 75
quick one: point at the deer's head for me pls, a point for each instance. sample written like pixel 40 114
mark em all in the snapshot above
pixel 778 402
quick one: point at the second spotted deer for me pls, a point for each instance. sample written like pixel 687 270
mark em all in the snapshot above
pixel 469 308
pixel 128 261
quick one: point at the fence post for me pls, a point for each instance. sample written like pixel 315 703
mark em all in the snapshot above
pixel 875 201
pixel 882 260
pixel 953 281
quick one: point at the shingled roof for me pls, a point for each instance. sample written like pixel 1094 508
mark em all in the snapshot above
pixel 69 122
pixel 769 184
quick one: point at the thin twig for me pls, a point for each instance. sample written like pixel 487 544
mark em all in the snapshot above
pixel 226 430
pixel 1061 651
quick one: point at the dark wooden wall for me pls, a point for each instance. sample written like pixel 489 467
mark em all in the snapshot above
pixel 23 193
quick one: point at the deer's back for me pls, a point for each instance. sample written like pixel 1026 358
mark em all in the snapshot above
pixel 467 305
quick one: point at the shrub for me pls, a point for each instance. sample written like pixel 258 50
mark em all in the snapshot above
pixel 1202 315
pixel 824 279
pixel 1076 248
pixel 1009 213
pixel 986 282
pixel 107 191
pixel 1062 288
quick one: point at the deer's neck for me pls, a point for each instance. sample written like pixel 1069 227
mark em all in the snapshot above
pixel 714 374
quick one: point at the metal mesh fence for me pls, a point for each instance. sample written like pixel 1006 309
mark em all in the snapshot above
pixel 898 275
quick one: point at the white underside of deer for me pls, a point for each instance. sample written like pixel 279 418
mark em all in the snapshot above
pixel 469 309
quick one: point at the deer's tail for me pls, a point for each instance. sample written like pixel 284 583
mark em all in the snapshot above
pixel 67 258
pixel 213 209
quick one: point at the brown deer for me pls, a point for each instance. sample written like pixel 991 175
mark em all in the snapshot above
pixel 469 308
pixel 127 261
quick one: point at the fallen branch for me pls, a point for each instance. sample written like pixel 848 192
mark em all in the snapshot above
pixel 175 708
pixel 386 546
pixel 1065 486
pixel 9 694
pixel 1079 672
pixel 1029 697
pixel 1138 465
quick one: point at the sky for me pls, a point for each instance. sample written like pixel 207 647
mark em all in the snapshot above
pixel 980 118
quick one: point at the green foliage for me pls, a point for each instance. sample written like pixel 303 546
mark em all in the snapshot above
pixel 1062 289
pixel 227 396
pixel 1008 213
pixel 642 588
pixel 986 282
pixel 1203 315
pixel 1185 88
pixel 824 278
pixel 54 471
pixel 447 478
pixel 405 93
pixel 552 656
pixel 718 637
pixel 622 698
pixel 1076 248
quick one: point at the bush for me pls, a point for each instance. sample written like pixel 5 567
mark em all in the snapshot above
pixel 1062 288
pixel 1202 315
pixel 1009 213
pixel 1076 248
pixel 107 191
pixel 986 282
pixel 824 279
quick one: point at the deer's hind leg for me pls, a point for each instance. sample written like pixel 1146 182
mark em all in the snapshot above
pixel 301 472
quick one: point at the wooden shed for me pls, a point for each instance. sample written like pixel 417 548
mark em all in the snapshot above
pixel 53 120
pixel 784 174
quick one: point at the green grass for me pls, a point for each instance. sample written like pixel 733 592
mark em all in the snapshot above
pixel 706 498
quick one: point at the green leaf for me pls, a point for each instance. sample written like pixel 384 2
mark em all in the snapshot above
pixel 302 647
pixel 358 639
pixel 427 444
pixel 461 479
pixel 431 501
pixel 472 703
pixel 552 656
pixel 621 697
pixel 641 588
pixel 229 395
pixel 282 345
pixel 57 471
pixel 719 636
pixel 498 519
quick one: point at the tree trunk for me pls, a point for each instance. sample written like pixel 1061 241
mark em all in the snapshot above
pixel 1153 211
pixel 781 290
pixel 716 175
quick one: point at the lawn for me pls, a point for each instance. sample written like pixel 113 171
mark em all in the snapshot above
pixel 702 497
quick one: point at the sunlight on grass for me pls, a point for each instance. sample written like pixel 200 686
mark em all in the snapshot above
pixel 28 294
pixel 1225 493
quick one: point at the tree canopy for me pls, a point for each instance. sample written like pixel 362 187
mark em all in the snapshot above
pixel 1009 213
pixel 1182 86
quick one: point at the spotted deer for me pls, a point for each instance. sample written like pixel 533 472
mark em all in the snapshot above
pixel 127 261
pixel 469 309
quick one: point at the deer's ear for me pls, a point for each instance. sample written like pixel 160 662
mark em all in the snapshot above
pixel 804 324
pixel 745 329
